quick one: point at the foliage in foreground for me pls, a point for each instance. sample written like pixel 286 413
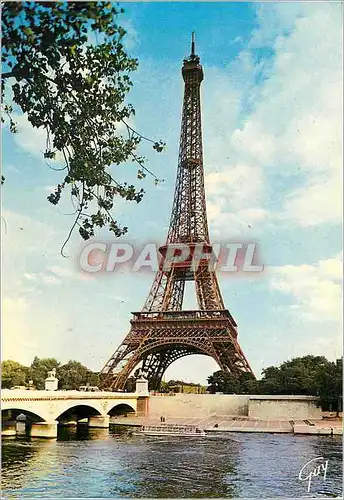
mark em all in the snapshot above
pixel 64 65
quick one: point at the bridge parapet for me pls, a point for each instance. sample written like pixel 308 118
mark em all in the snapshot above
pixel 17 394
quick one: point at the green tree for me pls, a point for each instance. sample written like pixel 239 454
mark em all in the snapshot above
pixel 39 368
pixel 271 381
pixel 230 383
pixel 93 378
pixel 295 376
pixel 248 384
pixel 66 68
pixel 74 374
pixel 308 375
pixel 164 387
pixel 221 381
pixel 329 380
pixel 130 385
pixel 13 373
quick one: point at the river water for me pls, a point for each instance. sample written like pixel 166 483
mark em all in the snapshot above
pixel 102 464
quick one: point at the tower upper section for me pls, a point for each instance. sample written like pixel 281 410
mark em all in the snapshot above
pixel 191 65
pixel 189 218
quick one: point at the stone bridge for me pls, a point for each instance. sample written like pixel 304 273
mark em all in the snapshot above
pixel 44 410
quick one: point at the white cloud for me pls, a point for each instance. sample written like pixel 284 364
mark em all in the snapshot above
pixel 315 289
pixel 319 201
pixel 307 310
pixel 131 38
pixel 49 189
pixel 32 140
pixel 14 339
pixel 63 272
pixel 50 280
pixel 293 128
pixel 275 19
pixel 236 224
pixel 30 329
pixel 235 200
pixel 30 276
pixel 242 184
pixel 254 143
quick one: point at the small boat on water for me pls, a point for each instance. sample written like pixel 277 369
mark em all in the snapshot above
pixel 170 430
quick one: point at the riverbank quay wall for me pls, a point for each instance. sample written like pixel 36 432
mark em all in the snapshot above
pixel 233 405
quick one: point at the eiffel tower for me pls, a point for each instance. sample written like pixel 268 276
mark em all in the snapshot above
pixel 162 332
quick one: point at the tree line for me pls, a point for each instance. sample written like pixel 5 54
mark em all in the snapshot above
pixel 71 375
pixel 307 375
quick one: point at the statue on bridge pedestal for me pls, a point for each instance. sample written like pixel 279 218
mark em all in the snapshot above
pixel 51 382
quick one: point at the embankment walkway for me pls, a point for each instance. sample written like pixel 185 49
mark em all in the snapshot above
pixel 245 424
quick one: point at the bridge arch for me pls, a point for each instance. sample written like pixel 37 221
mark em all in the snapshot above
pixel 78 411
pixel 188 365
pixel 121 409
pixel 12 413
pixel 185 348
pixel 188 347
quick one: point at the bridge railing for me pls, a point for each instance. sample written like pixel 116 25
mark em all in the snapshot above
pixel 14 394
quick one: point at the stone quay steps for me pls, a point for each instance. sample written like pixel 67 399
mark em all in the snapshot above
pixel 244 424
pixel 320 427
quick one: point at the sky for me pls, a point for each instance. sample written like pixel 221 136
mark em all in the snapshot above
pixel 272 128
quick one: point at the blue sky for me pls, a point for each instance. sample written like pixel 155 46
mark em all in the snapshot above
pixel 272 155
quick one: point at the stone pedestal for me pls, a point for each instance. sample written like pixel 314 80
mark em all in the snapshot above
pixel 8 428
pixel 43 430
pixel 51 382
pixel 142 409
pixel 99 421
pixel 142 387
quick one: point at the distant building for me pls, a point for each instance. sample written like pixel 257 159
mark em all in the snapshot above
pixel 188 389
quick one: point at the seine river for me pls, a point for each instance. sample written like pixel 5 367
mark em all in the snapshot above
pixel 103 464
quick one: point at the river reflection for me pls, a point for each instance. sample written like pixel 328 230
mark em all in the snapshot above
pixel 86 463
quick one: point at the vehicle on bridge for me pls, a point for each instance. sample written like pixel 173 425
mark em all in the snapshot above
pixel 89 388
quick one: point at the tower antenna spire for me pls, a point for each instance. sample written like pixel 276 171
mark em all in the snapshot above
pixel 193 43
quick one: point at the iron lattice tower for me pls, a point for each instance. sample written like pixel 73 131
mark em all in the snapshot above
pixel 162 332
